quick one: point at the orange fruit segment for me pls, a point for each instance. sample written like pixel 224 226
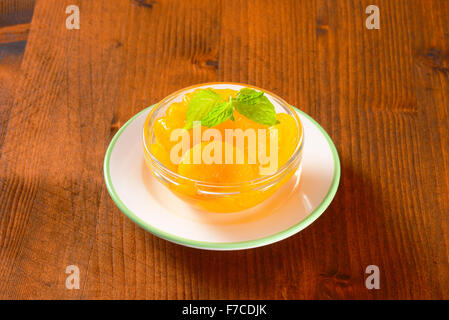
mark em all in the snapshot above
pixel 163 156
pixel 287 137
pixel 207 161
pixel 176 115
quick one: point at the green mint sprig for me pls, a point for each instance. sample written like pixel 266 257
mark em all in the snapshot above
pixel 208 107
pixel 202 103
pixel 255 106
pixel 220 113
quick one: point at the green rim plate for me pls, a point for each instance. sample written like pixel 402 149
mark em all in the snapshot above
pixel 225 245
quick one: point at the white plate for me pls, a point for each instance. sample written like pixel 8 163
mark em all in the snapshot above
pixel 151 204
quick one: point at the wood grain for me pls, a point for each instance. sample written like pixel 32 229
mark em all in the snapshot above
pixel 14 12
pixel 15 18
pixel 382 95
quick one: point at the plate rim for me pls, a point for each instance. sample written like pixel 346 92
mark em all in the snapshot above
pixel 238 245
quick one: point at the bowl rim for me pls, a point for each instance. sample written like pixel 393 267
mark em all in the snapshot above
pixel 253 182
pixel 237 245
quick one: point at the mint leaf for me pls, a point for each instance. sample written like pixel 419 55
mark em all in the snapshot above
pixel 220 113
pixel 255 106
pixel 249 96
pixel 200 105
pixel 207 106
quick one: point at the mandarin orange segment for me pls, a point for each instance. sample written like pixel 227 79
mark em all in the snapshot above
pixel 226 93
pixel 287 137
pixel 162 132
pixel 243 123
pixel 164 126
pixel 176 115
pixel 207 162
pixel 163 156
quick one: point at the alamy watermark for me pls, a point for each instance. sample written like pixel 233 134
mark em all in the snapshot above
pixel 258 141
pixel 373 280
pixel 373 20
pixel 73 280
pixel 73 20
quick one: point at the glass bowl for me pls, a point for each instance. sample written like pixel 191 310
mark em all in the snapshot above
pixel 221 197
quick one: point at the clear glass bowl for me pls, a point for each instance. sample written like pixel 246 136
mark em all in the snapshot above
pixel 216 197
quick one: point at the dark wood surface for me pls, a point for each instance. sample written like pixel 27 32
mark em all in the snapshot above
pixel 381 94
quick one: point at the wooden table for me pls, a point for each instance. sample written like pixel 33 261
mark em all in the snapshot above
pixel 383 96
